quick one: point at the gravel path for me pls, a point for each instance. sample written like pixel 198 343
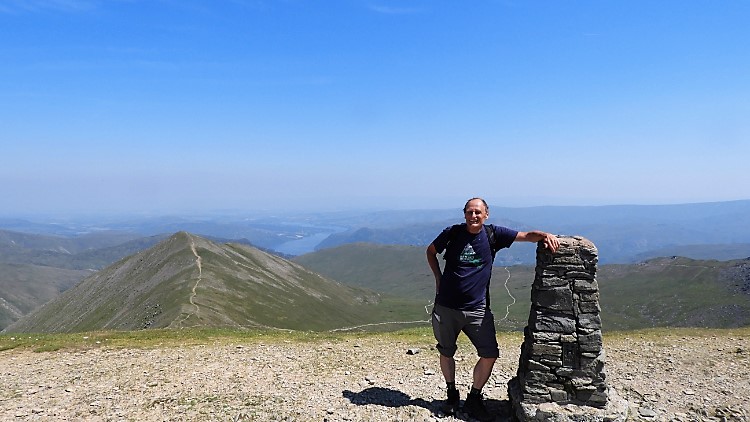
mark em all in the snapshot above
pixel 352 379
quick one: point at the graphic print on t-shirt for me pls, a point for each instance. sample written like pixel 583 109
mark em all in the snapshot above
pixel 469 256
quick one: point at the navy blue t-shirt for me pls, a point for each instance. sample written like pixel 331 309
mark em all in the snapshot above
pixel 468 265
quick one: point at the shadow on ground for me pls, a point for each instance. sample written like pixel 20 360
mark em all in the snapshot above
pixel 393 398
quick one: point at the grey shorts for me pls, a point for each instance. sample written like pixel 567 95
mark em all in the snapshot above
pixel 478 325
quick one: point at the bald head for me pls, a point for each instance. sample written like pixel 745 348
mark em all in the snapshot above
pixel 477 199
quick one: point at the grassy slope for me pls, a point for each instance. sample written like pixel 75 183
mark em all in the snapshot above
pixel 672 292
pixel 123 296
pixel 235 286
pixel 664 292
pixel 24 287
pixel 245 286
pixel 36 268
pixel 402 272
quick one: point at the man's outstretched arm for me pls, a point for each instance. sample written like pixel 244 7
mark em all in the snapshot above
pixel 550 240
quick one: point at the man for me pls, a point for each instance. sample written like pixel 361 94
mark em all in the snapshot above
pixel 461 296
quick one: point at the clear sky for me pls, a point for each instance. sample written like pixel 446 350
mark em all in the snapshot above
pixel 191 105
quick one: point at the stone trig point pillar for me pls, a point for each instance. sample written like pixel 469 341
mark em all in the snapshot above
pixel 561 374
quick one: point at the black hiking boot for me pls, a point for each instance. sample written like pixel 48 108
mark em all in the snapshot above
pixel 451 404
pixel 474 407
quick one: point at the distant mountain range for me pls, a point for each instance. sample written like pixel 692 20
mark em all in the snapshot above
pixel 90 251
pixel 623 233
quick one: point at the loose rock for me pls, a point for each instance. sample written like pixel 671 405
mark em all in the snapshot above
pixel 257 382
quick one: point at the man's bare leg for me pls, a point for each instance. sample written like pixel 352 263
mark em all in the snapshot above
pixel 448 367
pixel 482 371
pixel 473 404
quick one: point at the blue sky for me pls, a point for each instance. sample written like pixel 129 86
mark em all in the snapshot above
pixel 191 106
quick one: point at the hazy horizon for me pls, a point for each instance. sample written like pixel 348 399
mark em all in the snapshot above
pixel 82 216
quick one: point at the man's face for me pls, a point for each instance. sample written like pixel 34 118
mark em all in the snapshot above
pixel 475 215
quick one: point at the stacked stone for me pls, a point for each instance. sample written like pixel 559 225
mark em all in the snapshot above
pixel 562 359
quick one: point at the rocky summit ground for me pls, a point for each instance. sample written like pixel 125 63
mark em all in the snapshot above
pixel 351 378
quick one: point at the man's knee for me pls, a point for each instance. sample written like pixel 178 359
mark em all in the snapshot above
pixel 447 352
pixel 488 353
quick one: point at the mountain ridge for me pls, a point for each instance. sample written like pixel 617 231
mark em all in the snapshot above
pixel 187 281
